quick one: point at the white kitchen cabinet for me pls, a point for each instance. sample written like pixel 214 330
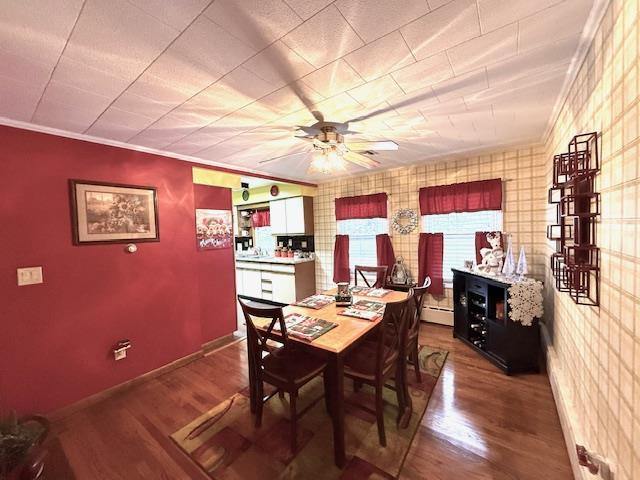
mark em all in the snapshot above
pixel 278 213
pixel 276 281
pixel 292 216
pixel 239 288
pixel 283 287
pixel 295 215
pixel 252 283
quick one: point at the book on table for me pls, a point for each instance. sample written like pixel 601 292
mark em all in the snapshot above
pixel 369 291
pixel 365 309
pixel 305 327
pixel 316 301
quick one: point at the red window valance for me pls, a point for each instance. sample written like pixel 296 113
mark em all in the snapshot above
pixel 362 206
pixel 462 197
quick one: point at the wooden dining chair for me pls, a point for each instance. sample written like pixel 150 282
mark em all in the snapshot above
pixel 276 360
pixel 373 362
pixel 413 327
pixel 380 271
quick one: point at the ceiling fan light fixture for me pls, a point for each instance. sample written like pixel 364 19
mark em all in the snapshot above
pixel 327 162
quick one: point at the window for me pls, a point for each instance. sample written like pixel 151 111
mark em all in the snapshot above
pixel 459 231
pixel 362 239
pixel 264 240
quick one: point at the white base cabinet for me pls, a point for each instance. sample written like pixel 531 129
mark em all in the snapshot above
pixel 282 283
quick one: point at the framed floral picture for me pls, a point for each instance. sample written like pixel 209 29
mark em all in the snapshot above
pixel 113 213
pixel 214 229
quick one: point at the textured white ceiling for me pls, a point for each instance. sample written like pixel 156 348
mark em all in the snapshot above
pixel 227 81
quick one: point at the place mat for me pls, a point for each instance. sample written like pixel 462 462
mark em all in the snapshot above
pixel 369 291
pixel 226 445
pixel 365 310
pixel 315 301
pixel 304 327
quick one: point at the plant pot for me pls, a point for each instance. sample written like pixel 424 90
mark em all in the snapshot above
pixel 30 464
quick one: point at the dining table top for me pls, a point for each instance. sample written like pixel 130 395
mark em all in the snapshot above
pixel 348 329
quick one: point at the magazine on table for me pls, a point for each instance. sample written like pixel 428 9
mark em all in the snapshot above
pixel 316 301
pixel 369 291
pixel 365 309
pixel 304 327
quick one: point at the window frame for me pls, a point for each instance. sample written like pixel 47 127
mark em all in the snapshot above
pixel 493 222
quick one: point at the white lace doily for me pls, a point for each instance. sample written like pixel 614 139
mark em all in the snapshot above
pixel 525 301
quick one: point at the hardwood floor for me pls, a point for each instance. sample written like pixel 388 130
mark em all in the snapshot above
pixel 480 424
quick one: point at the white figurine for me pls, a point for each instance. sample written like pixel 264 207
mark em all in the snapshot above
pixel 493 257
pixel 522 268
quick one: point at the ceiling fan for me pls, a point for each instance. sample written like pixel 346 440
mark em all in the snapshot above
pixel 329 151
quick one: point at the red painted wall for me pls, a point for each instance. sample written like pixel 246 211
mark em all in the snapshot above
pixel 167 298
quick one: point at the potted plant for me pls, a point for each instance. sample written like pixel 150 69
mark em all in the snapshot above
pixel 21 454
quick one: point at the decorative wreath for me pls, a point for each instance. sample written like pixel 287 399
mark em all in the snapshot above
pixel 407 226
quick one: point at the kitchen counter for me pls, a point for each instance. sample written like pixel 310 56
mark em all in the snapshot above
pixel 280 260
pixel 281 280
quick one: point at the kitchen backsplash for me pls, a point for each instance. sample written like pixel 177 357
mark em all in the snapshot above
pixel 297 242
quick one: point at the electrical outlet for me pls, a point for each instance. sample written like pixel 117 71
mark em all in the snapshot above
pixel 29 276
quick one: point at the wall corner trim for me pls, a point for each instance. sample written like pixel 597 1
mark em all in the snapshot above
pixel 562 406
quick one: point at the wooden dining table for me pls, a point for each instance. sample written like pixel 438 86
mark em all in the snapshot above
pixel 335 345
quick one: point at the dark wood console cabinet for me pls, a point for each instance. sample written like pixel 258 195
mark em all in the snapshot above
pixel 481 320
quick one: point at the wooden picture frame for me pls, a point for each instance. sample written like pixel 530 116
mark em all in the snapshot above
pixel 104 212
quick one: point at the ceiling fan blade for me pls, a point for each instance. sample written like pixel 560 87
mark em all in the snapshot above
pixel 308 130
pixel 360 160
pixel 273 159
pixel 375 146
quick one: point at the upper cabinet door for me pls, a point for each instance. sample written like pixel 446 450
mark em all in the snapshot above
pixel 295 215
pixel 278 212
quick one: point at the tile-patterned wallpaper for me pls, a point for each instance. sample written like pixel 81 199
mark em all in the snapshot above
pixel 596 351
pixel 521 169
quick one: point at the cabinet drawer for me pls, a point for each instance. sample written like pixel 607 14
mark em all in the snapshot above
pixel 476 285
pixel 284 268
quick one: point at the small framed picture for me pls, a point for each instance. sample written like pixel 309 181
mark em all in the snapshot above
pixel 214 229
pixel 113 213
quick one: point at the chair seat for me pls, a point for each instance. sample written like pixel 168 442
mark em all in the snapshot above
pixel 361 362
pixel 293 367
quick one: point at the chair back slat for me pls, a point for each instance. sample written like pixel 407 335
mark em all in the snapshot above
pixel 380 271
pixel 392 335
pixel 413 320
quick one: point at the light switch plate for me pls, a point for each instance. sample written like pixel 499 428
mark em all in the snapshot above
pixel 29 276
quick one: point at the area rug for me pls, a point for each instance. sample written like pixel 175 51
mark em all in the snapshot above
pixel 226 445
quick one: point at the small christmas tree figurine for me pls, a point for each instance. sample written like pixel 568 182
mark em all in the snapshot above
pixel 508 267
pixel 521 268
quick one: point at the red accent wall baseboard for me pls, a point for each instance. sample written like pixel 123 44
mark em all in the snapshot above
pixel 167 298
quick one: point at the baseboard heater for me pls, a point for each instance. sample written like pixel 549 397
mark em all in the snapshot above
pixel 440 315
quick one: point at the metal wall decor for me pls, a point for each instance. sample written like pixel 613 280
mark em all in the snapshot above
pixel 404 221
pixel 576 261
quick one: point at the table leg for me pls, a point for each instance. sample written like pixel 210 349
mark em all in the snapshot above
pixel 336 366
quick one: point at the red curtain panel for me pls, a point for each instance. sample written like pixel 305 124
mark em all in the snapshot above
pixel 384 252
pixel 482 242
pixel 362 206
pixel 462 197
pixel 430 251
pixel 341 259
pixel 261 219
